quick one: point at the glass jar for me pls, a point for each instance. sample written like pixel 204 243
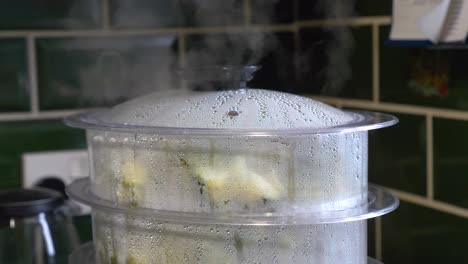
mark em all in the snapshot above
pixel 35 227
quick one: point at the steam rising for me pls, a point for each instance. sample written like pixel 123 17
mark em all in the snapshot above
pixel 338 68
pixel 231 48
pixel 120 71
pixel 123 71
pixel 128 68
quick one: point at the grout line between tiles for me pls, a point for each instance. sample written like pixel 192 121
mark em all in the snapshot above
pixel 378 20
pixel 22 116
pixel 433 204
pixel 105 13
pixel 375 64
pixel 396 108
pixel 354 21
pixel 137 32
pixel 378 238
pixel 430 157
pixel 247 12
pixel 32 74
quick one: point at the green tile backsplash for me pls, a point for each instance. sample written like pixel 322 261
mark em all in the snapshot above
pixel 421 76
pixel 84 227
pixel 373 8
pixel 332 64
pixel 397 155
pixel 415 234
pixel 276 60
pixel 272 12
pixel 18 137
pixel 50 14
pixel 59 56
pixel 277 70
pixel 213 13
pixel 371 238
pixel 224 49
pixel 14 86
pixel 316 9
pixel 156 14
pixel 319 9
pixel 146 14
pixel 76 73
pixel 451 161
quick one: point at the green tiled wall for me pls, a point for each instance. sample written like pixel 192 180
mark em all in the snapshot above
pixel 77 73
pixel 315 9
pixel 451 161
pixel 14 89
pixel 423 76
pixel 397 155
pixel 77 44
pixel 17 137
pixel 415 234
pixel 156 14
pixel 277 71
pixel 348 74
pixel 371 238
pixel 146 14
pixel 283 11
pixel 49 14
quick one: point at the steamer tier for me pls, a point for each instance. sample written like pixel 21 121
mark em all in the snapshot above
pixel 235 176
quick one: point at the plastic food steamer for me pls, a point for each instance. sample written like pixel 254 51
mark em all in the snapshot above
pixel 234 176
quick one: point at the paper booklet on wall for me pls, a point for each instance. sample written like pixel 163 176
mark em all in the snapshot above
pixel 429 22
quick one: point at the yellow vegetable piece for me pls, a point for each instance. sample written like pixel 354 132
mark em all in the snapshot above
pixel 239 181
pixel 135 260
pixel 133 177
pixel 133 173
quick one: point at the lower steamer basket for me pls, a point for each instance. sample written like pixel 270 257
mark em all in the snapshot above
pixel 130 235
pixel 85 255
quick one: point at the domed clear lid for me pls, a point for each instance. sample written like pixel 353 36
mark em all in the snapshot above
pixel 238 110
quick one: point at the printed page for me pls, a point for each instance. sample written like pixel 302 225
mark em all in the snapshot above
pixel 406 15
pixel 433 23
pixel 456 24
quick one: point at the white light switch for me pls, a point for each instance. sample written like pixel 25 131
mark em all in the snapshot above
pixel 66 165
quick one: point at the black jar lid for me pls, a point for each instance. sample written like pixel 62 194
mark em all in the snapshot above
pixel 28 202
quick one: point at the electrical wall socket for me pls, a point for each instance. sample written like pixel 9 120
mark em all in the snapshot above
pixel 67 166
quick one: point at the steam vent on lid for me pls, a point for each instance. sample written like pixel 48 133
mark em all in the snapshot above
pixel 233 176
